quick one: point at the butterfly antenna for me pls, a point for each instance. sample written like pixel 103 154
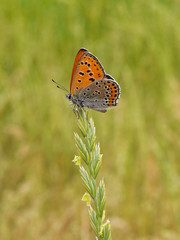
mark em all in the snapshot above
pixel 60 86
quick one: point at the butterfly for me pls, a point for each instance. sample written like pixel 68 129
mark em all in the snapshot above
pixel 90 86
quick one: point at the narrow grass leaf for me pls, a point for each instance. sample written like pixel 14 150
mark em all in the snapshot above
pixel 87 181
pixel 94 221
pixel 100 197
pixel 81 148
pixel 107 231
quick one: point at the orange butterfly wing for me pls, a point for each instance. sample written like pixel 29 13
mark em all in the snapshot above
pixel 86 70
pixel 78 56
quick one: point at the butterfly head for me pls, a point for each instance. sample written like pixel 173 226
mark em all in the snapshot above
pixel 69 96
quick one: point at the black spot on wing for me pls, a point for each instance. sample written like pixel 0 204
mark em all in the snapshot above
pixel 81 73
pixel 91 79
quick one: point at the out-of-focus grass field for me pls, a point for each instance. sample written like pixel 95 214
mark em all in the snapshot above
pixel 138 43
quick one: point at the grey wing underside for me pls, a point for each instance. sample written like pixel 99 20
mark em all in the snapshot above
pixel 96 95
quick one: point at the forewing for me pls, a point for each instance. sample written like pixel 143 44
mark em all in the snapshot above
pixel 87 70
pixel 78 56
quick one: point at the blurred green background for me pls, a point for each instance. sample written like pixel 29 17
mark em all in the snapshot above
pixel 138 43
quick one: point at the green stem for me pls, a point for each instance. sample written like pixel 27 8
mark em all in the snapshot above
pixel 89 153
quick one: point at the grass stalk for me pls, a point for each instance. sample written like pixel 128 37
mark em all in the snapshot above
pixel 89 153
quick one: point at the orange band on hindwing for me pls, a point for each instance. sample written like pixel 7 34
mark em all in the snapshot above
pixel 114 93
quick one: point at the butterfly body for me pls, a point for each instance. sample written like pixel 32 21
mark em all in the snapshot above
pixel 75 100
pixel 90 86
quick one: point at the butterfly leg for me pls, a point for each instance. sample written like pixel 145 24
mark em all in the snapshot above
pixel 75 110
